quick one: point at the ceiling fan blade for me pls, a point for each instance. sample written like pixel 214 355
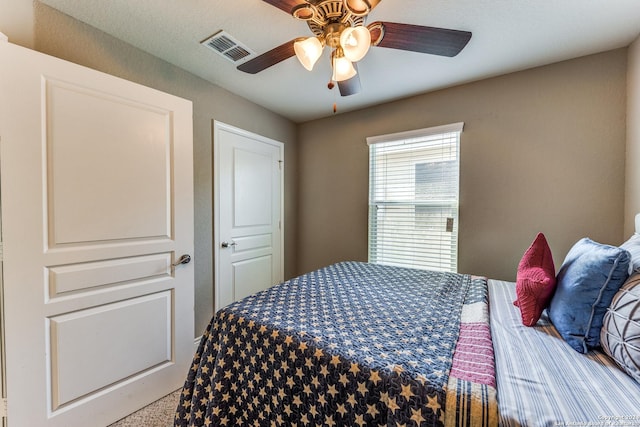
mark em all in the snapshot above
pixel 417 38
pixel 285 5
pixel 350 86
pixel 267 59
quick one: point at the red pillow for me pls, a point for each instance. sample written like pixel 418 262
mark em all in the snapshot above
pixel 535 281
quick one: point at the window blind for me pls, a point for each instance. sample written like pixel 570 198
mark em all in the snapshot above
pixel 413 198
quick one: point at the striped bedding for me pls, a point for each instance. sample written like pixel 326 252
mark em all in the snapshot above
pixel 352 344
pixel 471 390
pixel 541 381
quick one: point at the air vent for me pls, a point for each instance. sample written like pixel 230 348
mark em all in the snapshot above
pixel 225 45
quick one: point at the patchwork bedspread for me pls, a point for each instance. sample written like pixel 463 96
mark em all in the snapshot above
pixel 352 344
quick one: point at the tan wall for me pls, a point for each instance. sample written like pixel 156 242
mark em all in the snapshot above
pixel 568 117
pixel 542 150
pixel 632 197
pixel 64 37
pixel 17 21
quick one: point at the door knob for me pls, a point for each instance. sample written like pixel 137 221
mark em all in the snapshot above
pixel 227 244
pixel 184 259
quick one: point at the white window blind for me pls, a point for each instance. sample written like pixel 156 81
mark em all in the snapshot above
pixel 413 198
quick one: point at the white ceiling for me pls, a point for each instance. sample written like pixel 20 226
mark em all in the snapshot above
pixel 508 35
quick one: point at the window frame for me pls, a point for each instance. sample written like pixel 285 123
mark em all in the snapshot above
pixel 374 204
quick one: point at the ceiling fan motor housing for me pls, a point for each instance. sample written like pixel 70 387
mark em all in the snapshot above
pixel 332 34
pixel 321 14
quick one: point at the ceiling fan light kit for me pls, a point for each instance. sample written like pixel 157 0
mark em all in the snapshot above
pixel 353 46
pixel 343 68
pixel 308 51
pixel 355 42
pixel 340 25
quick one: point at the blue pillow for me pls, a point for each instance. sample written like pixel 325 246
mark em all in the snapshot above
pixel 588 279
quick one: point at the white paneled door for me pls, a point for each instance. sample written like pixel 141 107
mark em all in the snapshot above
pixel 97 207
pixel 248 188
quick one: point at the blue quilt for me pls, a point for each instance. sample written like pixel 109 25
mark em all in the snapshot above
pixel 351 344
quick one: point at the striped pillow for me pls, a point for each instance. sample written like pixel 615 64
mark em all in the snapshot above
pixel 633 246
pixel 620 333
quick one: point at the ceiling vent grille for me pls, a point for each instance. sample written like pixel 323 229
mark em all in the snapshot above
pixel 228 47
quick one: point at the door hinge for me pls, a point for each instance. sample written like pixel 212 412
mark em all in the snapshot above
pixel 1 254
pixel 280 164
pixel 3 407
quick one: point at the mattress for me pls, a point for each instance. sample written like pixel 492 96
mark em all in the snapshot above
pixel 541 381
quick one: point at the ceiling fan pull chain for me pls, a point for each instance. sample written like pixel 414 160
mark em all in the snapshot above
pixel 331 85
pixel 335 102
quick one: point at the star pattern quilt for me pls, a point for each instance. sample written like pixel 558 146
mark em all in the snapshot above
pixel 351 344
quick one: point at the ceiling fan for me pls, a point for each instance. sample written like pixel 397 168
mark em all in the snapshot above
pixel 340 25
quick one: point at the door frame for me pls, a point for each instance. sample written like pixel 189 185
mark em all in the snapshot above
pixel 3 367
pixel 219 126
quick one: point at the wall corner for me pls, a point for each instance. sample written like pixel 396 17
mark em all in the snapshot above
pixel 632 162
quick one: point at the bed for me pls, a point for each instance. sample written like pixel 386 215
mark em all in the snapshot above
pixel 543 382
pixel 358 344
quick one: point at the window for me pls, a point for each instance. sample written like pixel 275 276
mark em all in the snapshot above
pixel 413 198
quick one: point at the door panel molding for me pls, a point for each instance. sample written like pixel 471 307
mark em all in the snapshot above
pixel 78 204
pixel 74 279
pixel 83 341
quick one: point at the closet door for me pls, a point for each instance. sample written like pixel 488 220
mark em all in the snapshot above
pixel 248 187
pixel 97 208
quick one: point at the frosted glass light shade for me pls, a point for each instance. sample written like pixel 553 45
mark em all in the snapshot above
pixel 308 51
pixel 355 42
pixel 343 69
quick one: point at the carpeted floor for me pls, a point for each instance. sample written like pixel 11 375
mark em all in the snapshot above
pixel 158 414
